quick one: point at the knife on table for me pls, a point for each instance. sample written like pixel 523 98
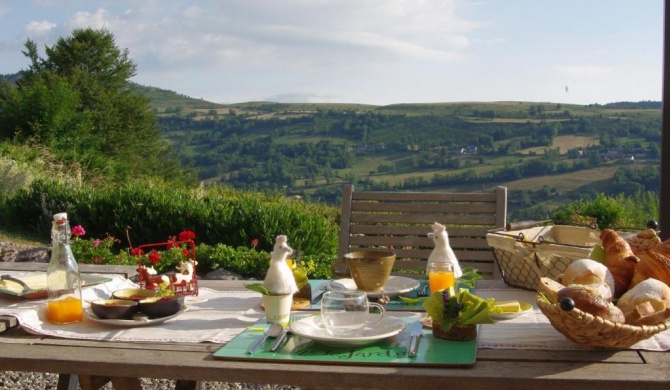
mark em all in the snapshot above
pixel 415 334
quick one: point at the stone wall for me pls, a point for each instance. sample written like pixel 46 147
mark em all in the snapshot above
pixel 10 252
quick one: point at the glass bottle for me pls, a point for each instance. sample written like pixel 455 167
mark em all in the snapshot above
pixel 63 280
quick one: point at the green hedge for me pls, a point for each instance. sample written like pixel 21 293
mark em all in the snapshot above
pixel 149 213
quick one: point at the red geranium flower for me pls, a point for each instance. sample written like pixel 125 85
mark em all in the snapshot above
pixel 186 235
pixel 154 256
pixel 136 252
pixel 254 242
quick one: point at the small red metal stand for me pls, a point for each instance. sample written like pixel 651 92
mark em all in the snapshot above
pixel 177 284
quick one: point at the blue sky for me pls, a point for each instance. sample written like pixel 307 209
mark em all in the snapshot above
pixel 367 51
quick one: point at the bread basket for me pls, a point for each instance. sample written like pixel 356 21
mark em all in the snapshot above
pixel 592 331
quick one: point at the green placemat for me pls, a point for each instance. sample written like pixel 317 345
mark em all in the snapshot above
pixel 396 304
pixel 388 352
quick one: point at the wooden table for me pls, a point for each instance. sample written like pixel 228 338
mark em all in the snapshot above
pixel 190 363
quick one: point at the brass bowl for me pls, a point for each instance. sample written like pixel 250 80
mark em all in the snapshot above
pixel 370 269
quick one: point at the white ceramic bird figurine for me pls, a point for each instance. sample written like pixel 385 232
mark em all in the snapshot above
pixel 442 252
pixel 279 279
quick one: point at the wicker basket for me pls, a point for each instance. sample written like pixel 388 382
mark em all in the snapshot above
pixel 524 256
pixel 592 331
pixel 457 332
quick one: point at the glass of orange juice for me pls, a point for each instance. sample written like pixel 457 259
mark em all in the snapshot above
pixel 440 276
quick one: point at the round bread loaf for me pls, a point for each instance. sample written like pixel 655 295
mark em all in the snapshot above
pixel 650 290
pixel 586 299
pixel 590 272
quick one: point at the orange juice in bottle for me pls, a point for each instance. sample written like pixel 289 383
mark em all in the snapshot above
pixel 440 276
pixel 63 280
pixel 65 310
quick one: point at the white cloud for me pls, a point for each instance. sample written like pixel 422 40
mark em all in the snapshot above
pixel 294 34
pixel 99 19
pixel 39 28
pixel 584 70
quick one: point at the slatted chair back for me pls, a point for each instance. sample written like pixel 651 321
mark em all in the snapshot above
pixel 402 221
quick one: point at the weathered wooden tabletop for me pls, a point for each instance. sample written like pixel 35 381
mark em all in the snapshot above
pixel 495 368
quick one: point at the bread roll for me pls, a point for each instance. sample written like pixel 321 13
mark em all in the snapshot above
pixel 619 259
pixel 653 291
pixel 586 299
pixel 590 272
pixel 652 265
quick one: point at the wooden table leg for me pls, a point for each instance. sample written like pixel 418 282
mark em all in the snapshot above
pixel 67 382
pixel 90 382
pixel 187 385
pixel 125 383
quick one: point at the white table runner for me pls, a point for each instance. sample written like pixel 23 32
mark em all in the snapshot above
pixel 212 316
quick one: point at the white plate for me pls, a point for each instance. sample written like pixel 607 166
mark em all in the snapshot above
pixel 139 322
pixel 312 328
pixel 525 309
pixel 394 286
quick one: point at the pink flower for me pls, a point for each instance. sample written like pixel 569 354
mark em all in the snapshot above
pixel 254 242
pixel 78 231
pixel 96 243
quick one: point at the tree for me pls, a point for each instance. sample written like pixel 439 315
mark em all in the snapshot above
pixel 79 102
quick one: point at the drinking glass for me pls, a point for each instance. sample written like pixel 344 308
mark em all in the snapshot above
pixel 346 313
pixel 440 276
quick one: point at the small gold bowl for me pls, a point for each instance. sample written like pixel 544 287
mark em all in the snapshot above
pixel 370 269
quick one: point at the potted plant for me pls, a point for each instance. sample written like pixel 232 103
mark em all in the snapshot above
pixel 455 315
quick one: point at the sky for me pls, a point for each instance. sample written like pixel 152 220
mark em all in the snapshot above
pixel 376 52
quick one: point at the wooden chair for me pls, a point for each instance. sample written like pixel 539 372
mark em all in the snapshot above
pixel 402 220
